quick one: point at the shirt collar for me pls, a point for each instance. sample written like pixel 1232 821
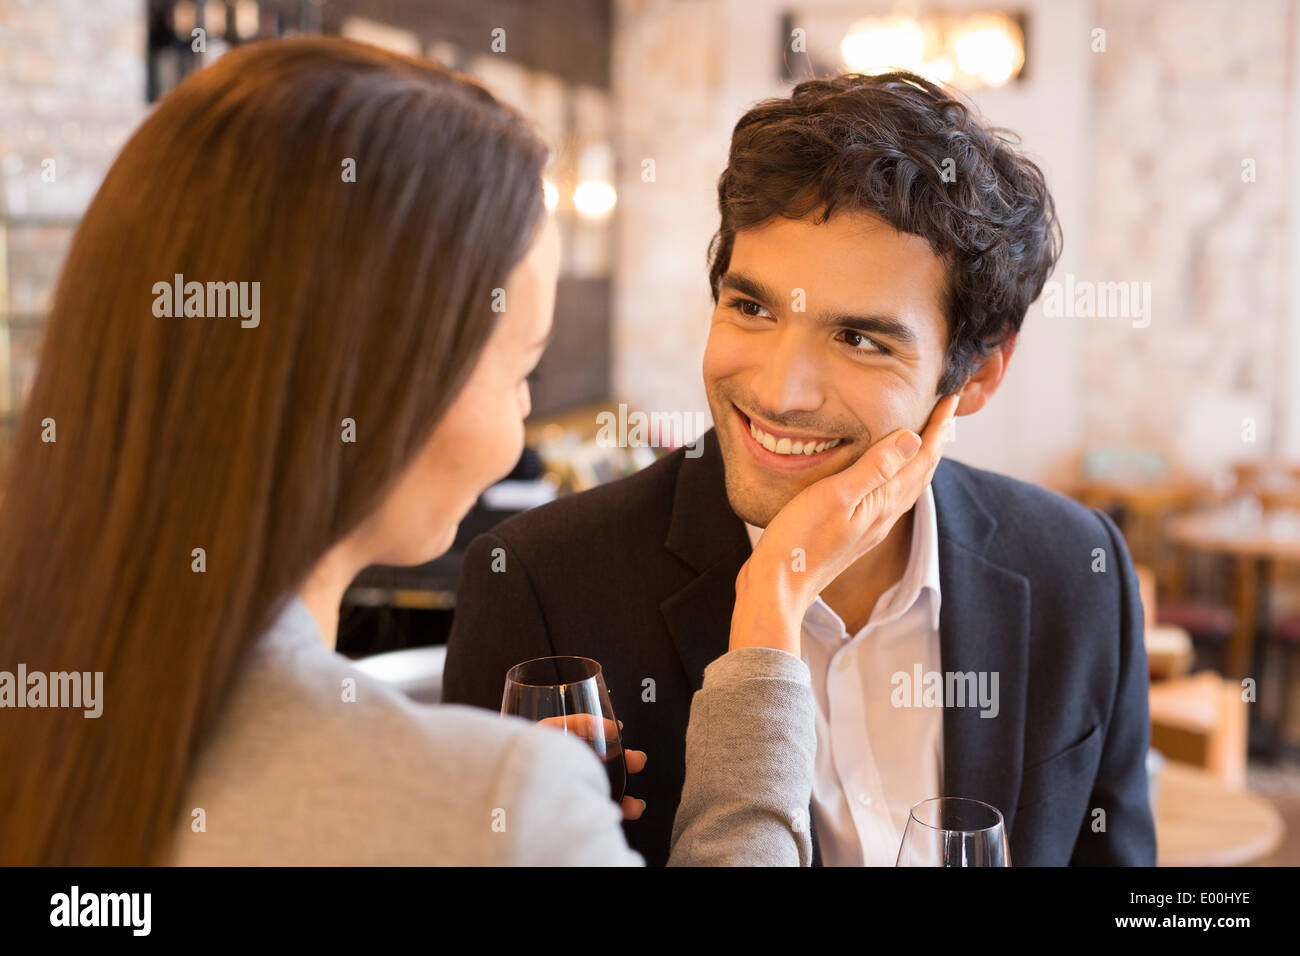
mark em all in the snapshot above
pixel 922 562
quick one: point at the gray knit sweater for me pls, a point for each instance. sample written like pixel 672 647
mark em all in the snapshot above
pixel 296 773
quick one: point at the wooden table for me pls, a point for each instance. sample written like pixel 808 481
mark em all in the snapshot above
pixel 1255 538
pixel 1201 821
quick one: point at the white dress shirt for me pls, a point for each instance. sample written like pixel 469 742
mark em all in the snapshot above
pixel 875 760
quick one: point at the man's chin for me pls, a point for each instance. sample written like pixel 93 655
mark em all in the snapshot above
pixel 751 501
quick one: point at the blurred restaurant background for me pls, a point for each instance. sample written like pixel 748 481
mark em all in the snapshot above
pixel 1167 130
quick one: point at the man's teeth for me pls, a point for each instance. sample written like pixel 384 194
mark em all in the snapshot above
pixel 784 446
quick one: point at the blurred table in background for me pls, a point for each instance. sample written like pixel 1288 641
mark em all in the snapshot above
pixel 1201 821
pixel 1255 538
pixel 1258 540
pixel 1275 484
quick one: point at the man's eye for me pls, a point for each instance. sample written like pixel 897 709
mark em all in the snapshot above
pixel 744 307
pixel 860 343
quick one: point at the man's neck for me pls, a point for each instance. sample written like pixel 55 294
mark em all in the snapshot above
pixel 853 595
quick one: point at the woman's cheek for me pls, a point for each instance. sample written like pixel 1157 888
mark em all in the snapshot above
pixel 506 443
pixel 525 400
pixel 519 413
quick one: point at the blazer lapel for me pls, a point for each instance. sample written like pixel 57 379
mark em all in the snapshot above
pixel 983 628
pixel 705 533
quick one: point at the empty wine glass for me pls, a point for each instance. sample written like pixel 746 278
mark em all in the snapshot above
pixel 569 694
pixel 954 831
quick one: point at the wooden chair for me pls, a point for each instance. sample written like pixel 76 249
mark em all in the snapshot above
pixel 1168 646
pixel 1201 720
pixel 1286 638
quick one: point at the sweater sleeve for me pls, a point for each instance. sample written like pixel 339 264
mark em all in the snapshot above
pixel 750 747
pixel 553 807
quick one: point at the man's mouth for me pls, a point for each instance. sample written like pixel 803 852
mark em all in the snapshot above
pixel 779 448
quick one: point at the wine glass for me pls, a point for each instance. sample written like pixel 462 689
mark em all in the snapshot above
pixel 569 693
pixel 954 831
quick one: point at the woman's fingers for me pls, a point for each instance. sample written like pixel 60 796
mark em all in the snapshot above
pixel 633 807
pixel 917 472
pixel 873 470
pixel 885 467
pixel 587 726
pixel 882 502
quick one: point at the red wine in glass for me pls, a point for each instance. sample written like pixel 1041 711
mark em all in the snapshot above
pixel 616 770
pixel 569 694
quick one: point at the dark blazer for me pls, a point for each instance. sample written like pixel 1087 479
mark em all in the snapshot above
pixel 639 574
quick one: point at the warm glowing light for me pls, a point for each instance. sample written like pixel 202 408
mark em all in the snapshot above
pixel 594 199
pixel 984 49
pixel 184 19
pixel 214 19
pixel 877 43
pixel 941 68
pixel 247 19
pixel 989 48
pixel 550 195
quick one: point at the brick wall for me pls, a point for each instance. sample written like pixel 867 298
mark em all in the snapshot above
pixel 1186 91
pixel 72 87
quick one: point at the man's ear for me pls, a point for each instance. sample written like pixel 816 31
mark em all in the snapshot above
pixel 984 381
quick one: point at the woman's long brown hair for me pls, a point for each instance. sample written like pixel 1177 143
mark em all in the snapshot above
pixel 173 434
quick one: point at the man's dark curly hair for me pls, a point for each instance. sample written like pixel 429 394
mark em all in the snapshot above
pixel 878 143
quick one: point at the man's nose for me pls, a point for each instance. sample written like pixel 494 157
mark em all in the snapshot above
pixel 790 376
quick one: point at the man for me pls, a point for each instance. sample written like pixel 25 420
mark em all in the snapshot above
pixel 878 250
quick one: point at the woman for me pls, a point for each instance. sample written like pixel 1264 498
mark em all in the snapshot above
pixel 291 340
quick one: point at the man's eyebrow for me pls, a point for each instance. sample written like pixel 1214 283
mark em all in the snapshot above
pixel 747 285
pixel 887 325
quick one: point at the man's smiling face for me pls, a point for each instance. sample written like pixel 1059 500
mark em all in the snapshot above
pixel 861 359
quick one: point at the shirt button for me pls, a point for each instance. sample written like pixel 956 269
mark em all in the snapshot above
pixel 864 798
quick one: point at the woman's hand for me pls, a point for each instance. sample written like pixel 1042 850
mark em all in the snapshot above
pixel 587 726
pixel 834 522
pixel 633 807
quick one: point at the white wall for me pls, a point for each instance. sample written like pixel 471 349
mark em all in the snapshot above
pixel 1289 446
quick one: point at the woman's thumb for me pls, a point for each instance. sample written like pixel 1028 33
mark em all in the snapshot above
pixel 877 465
